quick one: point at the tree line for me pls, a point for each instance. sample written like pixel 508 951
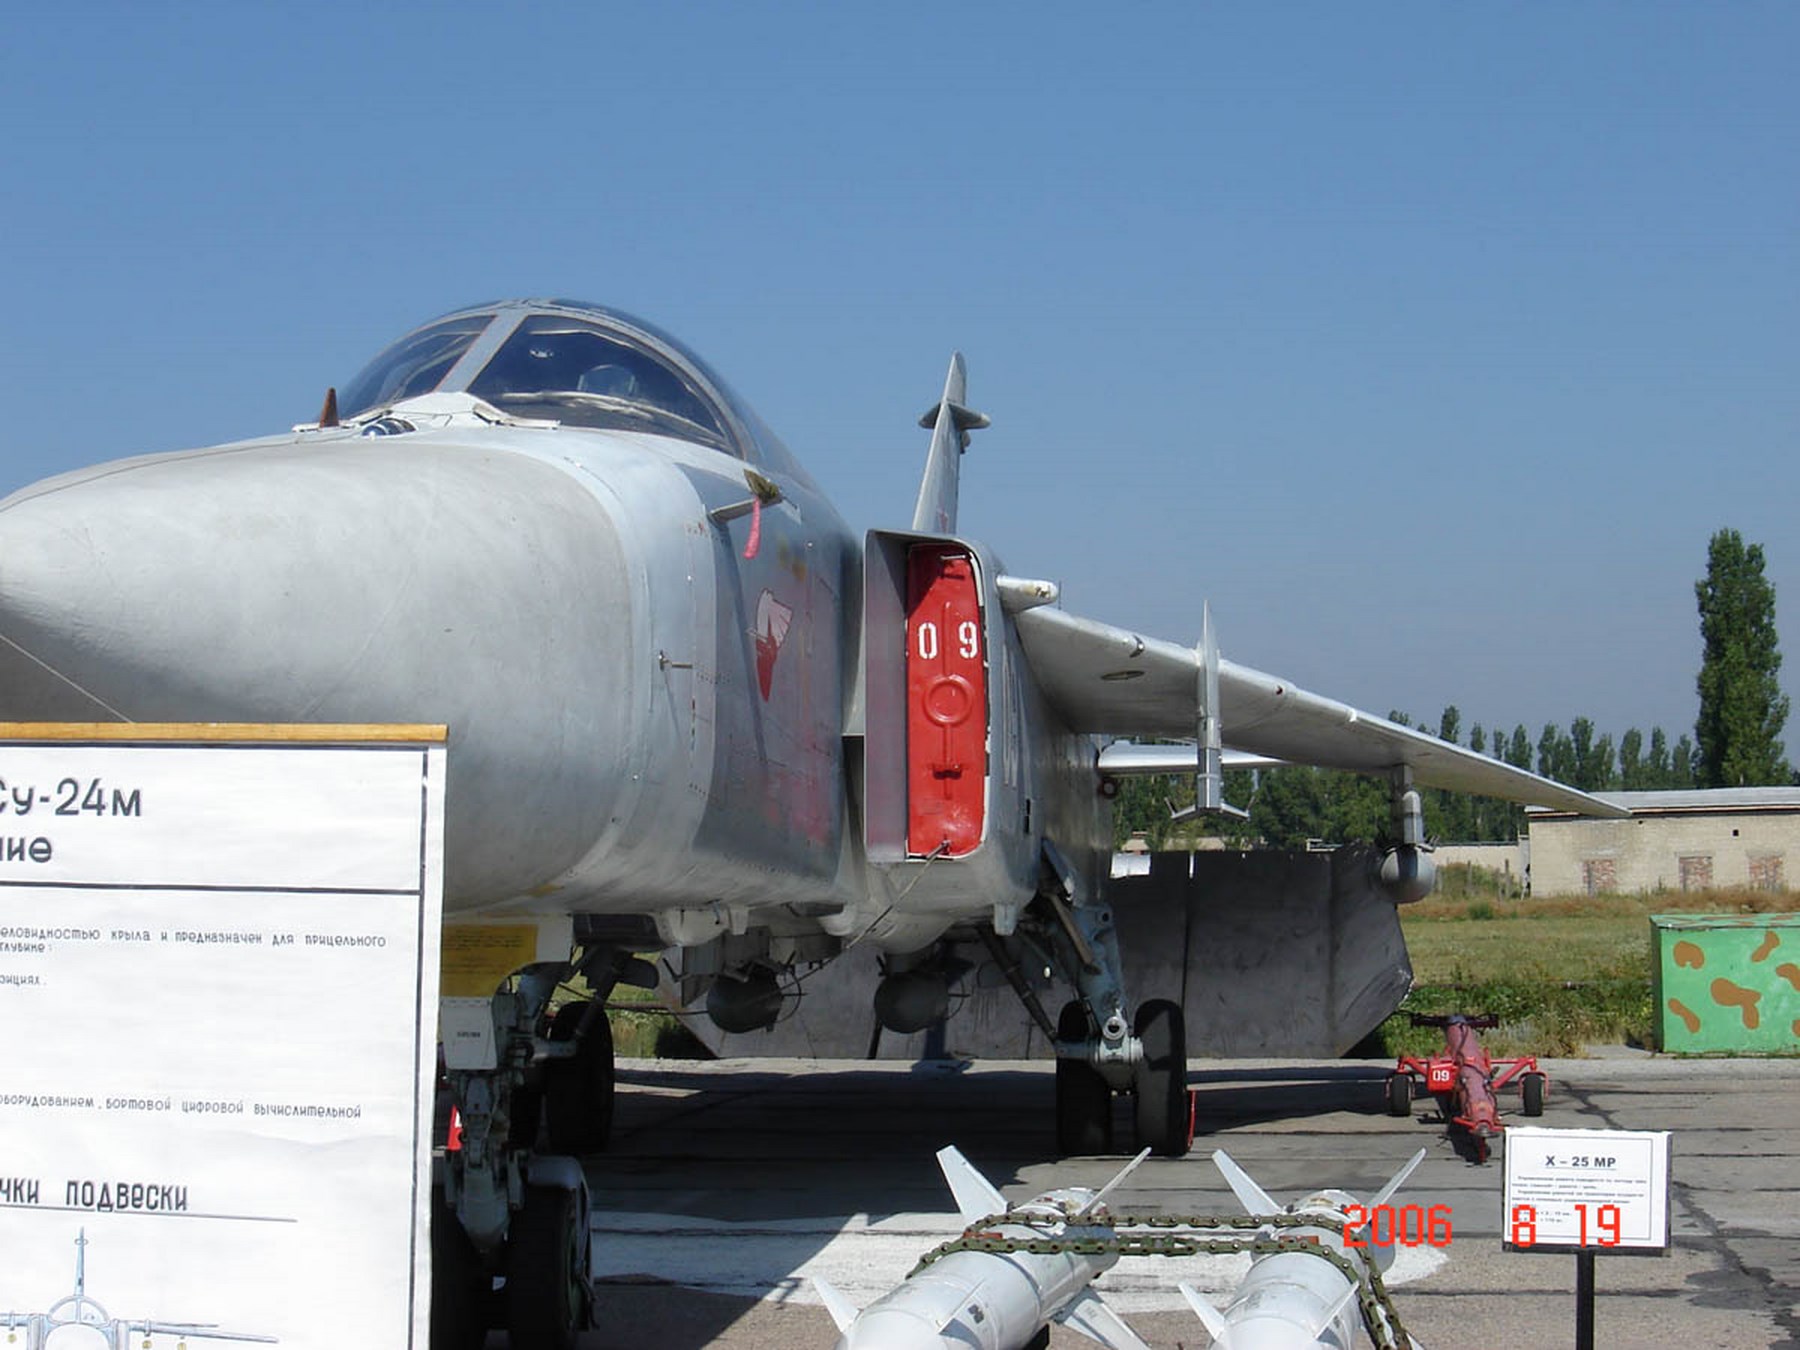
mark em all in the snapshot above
pixel 1736 744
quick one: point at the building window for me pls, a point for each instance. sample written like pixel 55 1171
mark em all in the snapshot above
pixel 1696 872
pixel 1598 876
pixel 1765 873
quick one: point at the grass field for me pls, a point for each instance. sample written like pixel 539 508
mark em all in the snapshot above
pixel 1562 973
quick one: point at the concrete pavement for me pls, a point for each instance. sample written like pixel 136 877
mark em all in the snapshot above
pixel 730 1182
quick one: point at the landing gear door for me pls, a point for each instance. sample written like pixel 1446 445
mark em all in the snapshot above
pixel 946 703
pixel 928 695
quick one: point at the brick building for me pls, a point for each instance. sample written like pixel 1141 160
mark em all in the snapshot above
pixel 1675 841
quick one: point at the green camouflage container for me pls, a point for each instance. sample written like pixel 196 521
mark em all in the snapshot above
pixel 1727 983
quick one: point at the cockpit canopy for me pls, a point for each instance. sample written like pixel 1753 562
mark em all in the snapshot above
pixel 578 364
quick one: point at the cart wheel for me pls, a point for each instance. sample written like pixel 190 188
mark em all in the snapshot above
pixel 1399 1094
pixel 1531 1093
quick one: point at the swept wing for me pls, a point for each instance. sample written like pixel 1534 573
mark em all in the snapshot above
pixel 1112 682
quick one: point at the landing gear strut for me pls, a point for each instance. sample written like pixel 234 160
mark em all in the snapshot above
pixel 501 1209
pixel 1099 1049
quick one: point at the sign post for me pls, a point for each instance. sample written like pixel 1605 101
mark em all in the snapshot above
pixel 218 984
pixel 1587 1192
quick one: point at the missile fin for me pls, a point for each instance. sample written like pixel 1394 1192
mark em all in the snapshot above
pixel 1386 1193
pixel 1214 1320
pixel 1101 1194
pixel 1332 1313
pixel 975 1195
pixel 1253 1198
pixel 1093 1319
pixel 842 1310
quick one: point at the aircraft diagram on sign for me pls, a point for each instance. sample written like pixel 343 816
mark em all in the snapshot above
pixel 687 706
pixel 79 1321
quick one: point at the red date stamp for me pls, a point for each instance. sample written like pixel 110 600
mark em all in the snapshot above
pixel 1605 1230
pixel 1403 1225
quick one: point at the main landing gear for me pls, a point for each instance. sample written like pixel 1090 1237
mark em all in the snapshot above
pixel 509 1230
pixel 1099 1051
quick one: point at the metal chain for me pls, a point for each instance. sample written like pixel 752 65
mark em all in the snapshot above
pixel 1379 1316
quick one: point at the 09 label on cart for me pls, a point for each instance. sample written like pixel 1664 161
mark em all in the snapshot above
pixel 1586 1190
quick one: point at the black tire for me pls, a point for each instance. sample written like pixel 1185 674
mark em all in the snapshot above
pixel 578 1092
pixel 1161 1079
pixel 547 1293
pixel 1041 1341
pixel 460 1286
pixel 1399 1094
pixel 1083 1098
pixel 1531 1093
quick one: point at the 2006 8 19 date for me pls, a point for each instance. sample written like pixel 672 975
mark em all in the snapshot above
pixel 1390 1225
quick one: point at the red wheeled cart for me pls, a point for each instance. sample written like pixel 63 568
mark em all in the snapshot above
pixel 1463 1078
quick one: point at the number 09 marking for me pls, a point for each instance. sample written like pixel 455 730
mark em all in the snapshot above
pixel 968 640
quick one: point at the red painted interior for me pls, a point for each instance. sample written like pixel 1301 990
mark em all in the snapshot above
pixel 946 703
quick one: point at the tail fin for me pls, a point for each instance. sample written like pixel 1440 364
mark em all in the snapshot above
pixel 950 423
pixel 1386 1193
pixel 1255 1200
pixel 842 1310
pixel 1093 1319
pixel 975 1195
pixel 1214 1320
pixel 1336 1310
pixel 1094 1200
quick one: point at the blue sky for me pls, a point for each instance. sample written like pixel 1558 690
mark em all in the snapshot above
pixel 1430 343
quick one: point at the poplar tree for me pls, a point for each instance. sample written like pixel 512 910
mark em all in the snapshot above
pixel 1742 708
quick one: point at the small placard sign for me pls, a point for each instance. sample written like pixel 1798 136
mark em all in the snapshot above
pixel 1586 1190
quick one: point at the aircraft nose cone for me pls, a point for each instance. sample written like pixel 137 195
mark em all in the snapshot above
pixel 357 580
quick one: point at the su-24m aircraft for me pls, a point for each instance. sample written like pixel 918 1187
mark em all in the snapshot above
pixel 687 707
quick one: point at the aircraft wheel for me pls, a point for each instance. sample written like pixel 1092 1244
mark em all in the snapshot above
pixel 460 1285
pixel 578 1092
pixel 1531 1093
pixel 1399 1094
pixel 1162 1099
pixel 1083 1098
pixel 1041 1341
pixel 546 1277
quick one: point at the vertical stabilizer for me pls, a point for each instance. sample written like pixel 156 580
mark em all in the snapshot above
pixel 950 423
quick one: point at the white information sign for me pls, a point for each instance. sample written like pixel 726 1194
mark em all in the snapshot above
pixel 216 944
pixel 1586 1190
